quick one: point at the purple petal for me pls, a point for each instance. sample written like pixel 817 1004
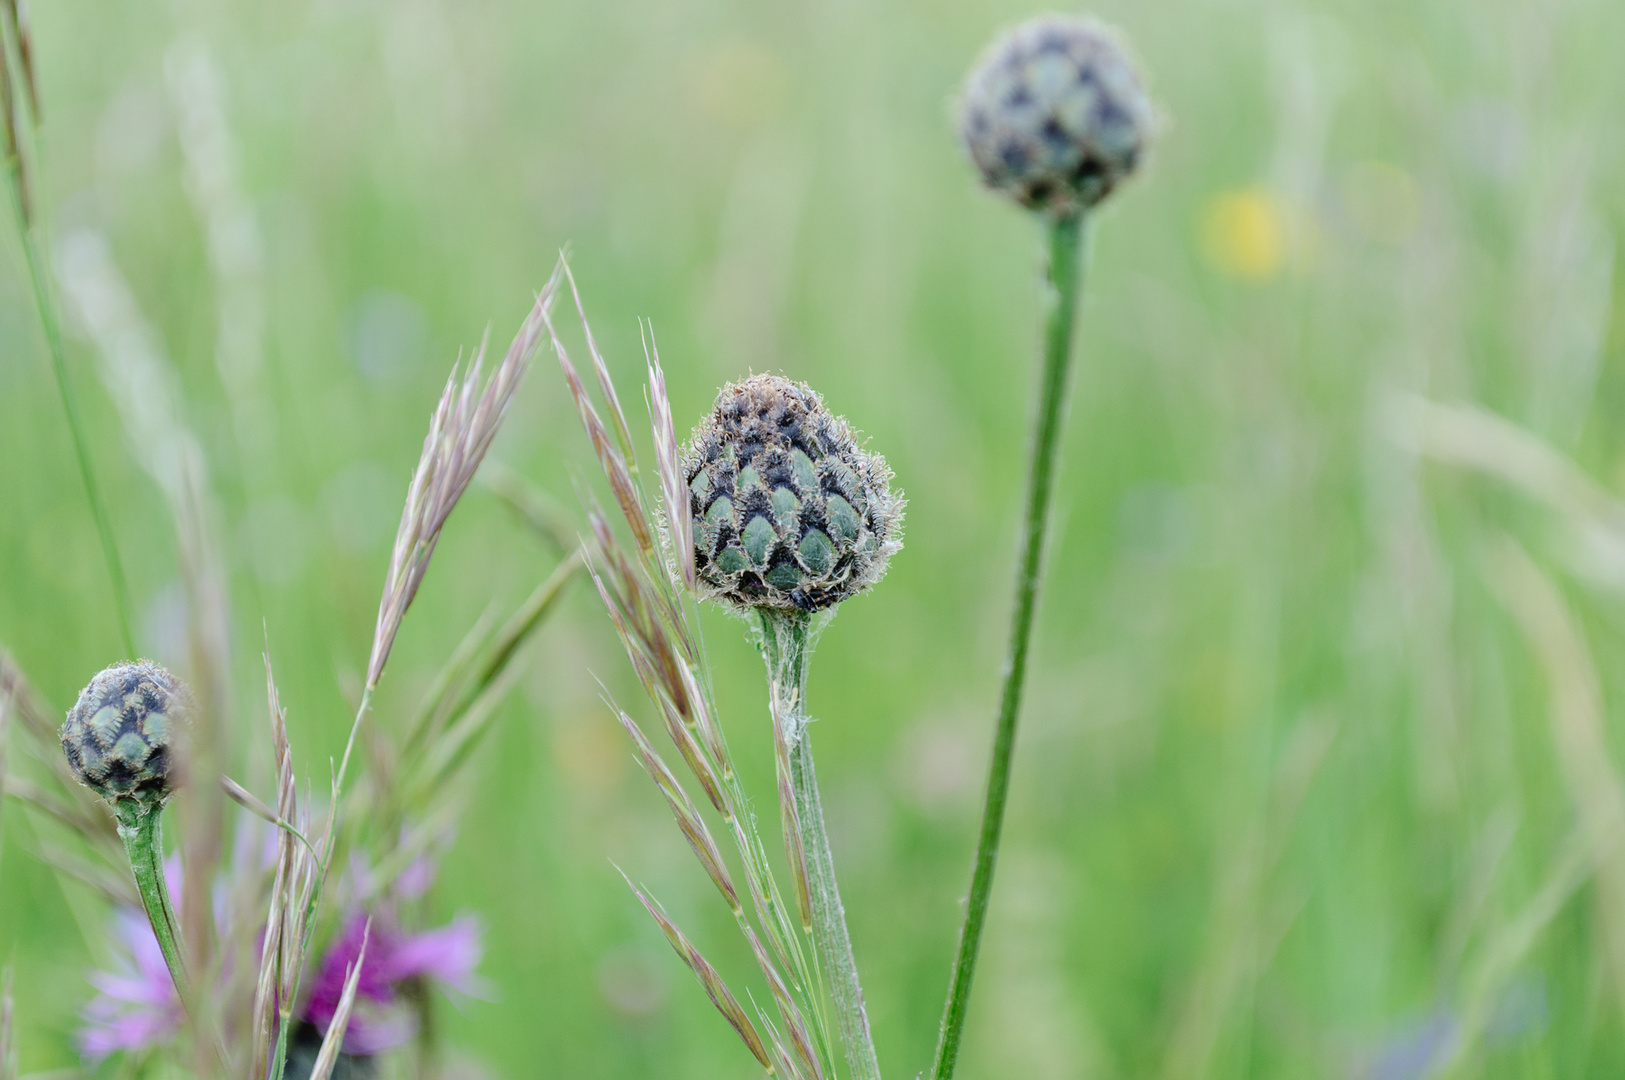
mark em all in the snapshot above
pixel 370 1035
pixel 327 988
pixel 449 954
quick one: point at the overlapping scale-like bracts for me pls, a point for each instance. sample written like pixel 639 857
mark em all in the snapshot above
pixel 1054 115
pixel 789 511
pixel 120 734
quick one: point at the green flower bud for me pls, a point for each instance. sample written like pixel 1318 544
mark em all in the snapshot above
pixel 1054 116
pixel 789 511
pixel 121 733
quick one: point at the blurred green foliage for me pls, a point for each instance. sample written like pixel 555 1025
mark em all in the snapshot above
pixel 1288 778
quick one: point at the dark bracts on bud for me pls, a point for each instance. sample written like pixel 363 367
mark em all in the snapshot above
pixel 120 735
pixel 1054 115
pixel 789 511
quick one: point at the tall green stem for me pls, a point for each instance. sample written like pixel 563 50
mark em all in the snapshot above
pixel 1061 296
pixel 787 647
pixel 140 828
pixel 59 365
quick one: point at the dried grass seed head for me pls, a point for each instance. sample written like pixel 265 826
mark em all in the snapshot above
pixel 120 736
pixel 1054 114
pixel 788 510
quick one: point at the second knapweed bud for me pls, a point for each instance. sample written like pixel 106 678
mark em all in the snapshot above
pixel 121 733
pixel 789 511
pixel 1054 115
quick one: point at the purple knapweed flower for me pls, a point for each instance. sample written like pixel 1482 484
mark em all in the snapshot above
pixel 136 1007
pixel 447 955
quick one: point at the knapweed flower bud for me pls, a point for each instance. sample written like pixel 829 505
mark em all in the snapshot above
pixel 789 511
pixel 1053 114
pixel 120 734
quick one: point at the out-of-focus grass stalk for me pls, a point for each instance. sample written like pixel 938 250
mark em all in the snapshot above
pixel 465 422
pixel 8 1050
pixel 1065 279
pixel 5 718
pixel 15 120
pixel 787 642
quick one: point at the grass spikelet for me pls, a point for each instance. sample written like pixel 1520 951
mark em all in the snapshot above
pixel 623 435
pixel 710 980
pixel 795 1023
pixel 333 1041
pixel 291 881
pixel 460 432
pixel 668 466
pixel 644 593
pixel 683 809
pixel 617 468
pixel 64 799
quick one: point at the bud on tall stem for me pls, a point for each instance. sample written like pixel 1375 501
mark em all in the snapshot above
pixel 1054 117
pixel 790 517
pixel 120 739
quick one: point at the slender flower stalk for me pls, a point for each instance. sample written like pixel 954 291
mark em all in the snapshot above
pixel 787 644
pixel 1063 281
pixel 141 828
pixel 1054 118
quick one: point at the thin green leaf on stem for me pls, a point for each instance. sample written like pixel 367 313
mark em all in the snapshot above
pixel 1066 242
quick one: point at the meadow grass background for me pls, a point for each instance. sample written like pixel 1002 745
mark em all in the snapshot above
pixel 1294 773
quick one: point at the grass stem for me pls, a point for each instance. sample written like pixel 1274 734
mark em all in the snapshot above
pixel 52 329
pixel 1064 281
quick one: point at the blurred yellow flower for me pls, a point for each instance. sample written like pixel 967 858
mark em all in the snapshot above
pixel 1244 233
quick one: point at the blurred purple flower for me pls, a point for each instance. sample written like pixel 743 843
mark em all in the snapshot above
pixel 136 1007
pixel 447 955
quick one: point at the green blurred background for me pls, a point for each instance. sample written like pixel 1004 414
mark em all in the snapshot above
pixel 1315 776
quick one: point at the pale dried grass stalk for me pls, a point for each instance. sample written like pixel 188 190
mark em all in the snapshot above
pixel 715 988
pixel 464 424
pixel 683 809
pixel 5 723
pixel 617 463
pixel 333 1041
pixel 1577 722
pixel 291 883
pixel 16 16
pixel 67 801
pixel 679 522
pixel 644 594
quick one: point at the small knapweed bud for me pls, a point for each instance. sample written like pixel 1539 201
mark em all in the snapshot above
pixel 789 511
pixel 1054 115
pixel 121 733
